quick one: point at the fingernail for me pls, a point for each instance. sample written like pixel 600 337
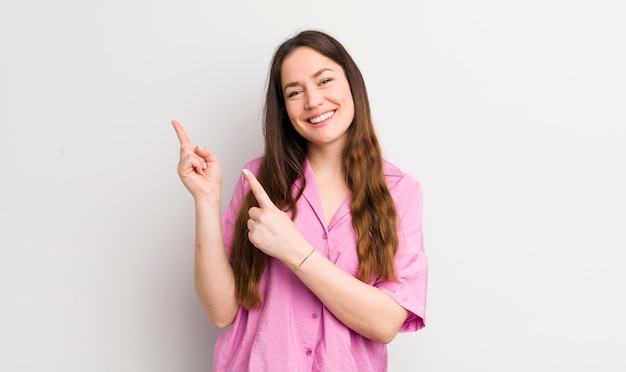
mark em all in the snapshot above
pixel 245 172
pixel 204 165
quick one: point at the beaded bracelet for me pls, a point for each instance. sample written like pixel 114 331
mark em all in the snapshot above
pixel 307 256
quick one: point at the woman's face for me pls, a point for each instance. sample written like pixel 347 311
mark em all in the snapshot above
pixel 317 97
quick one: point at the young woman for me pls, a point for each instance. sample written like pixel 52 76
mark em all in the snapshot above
pixel 318 261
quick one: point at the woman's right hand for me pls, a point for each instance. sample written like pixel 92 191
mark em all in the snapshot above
pixel 198 168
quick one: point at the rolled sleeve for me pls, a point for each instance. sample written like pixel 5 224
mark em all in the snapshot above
pixel 409 288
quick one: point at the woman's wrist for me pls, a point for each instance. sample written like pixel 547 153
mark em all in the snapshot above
pixel 297 268
pixel 297 257
pixel 210 201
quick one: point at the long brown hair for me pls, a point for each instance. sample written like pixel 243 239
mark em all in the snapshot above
pixel 372 208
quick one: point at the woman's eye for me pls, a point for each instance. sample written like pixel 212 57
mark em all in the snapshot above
pixel 294 93
pixel 326 81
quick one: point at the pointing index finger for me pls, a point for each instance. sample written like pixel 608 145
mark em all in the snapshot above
pixel 257 189
pixel 180 133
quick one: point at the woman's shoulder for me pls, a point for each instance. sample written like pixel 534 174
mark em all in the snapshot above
pixel 396 176
pixel 391 170
pixel 405 189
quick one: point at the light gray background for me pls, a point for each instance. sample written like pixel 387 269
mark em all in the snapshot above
pixel 510 113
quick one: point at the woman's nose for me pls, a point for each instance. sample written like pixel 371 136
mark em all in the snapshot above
pixel 314 98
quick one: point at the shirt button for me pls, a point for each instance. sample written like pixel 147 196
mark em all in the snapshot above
pixel 309 352
pixel 324 236
pixel 314 316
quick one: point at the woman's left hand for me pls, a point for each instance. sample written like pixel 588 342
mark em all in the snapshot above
pixel 270 229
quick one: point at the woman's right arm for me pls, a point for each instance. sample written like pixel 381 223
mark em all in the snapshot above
pixel 200 171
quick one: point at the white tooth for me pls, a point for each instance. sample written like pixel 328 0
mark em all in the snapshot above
pixel 321 117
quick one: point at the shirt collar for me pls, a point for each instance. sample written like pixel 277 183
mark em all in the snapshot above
pixel 392 176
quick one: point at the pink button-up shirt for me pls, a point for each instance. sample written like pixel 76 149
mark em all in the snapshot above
pixel 293 331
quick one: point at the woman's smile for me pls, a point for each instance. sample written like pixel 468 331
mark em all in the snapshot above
pixel 321 118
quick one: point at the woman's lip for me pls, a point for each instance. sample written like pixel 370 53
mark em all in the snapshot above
pixel 321 117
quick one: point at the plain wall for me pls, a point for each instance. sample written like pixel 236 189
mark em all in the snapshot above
pixel 510 113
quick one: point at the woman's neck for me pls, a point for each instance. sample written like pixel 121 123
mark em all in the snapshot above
pixel 326 163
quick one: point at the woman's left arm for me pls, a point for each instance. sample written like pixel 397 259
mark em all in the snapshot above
pixel 363 308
